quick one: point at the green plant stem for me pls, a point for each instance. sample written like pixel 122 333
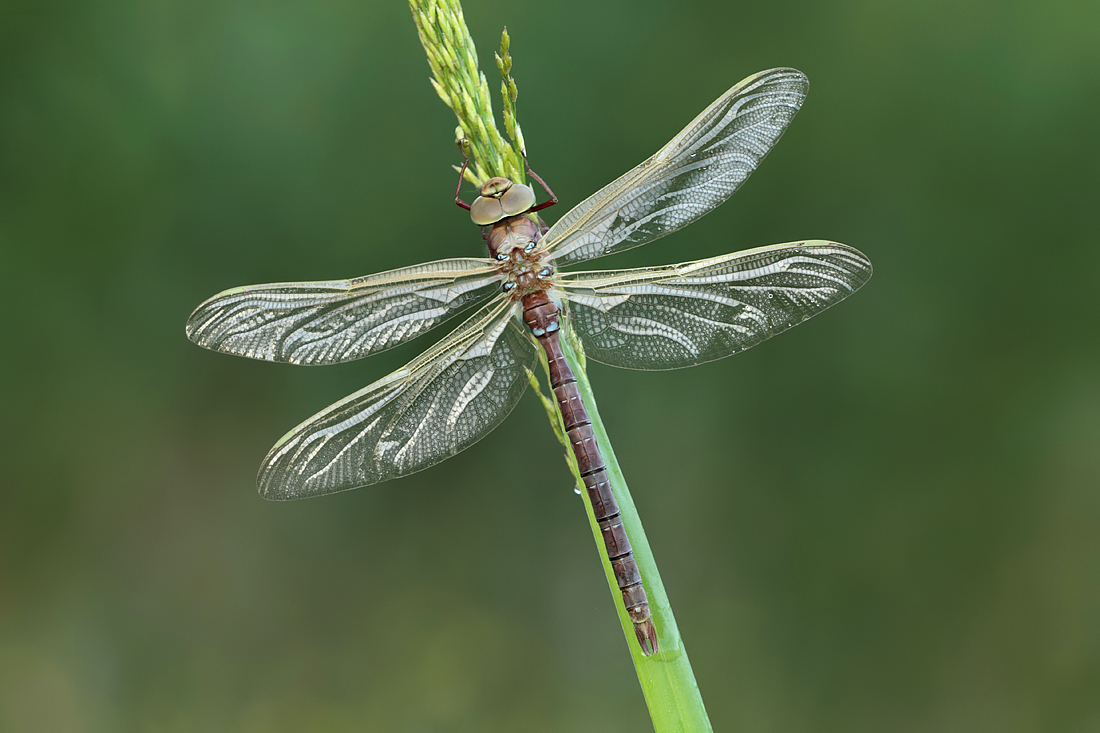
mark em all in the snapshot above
pixel 463 87
pixel 667 680
pixel 666 677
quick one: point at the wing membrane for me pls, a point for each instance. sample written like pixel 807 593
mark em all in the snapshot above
pixel 341 320
pixel 441 403
pixel 682 315
pixel 695 172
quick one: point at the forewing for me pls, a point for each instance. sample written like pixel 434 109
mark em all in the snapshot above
pixel 682 315
pixel 438 405
pixel 695 172
pixel 341 320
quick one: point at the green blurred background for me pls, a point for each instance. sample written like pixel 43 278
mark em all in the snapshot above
pixel 884 520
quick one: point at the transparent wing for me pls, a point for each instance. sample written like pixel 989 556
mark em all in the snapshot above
pixel 683 315
pixel 341 320
pixel 698 170
pixel 441 403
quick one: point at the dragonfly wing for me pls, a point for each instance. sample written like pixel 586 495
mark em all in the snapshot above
pixel 341 320
pixel 695 172
pixel 683 315
pixel 441 403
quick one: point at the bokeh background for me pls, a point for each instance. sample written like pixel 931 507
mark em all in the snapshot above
pixel 883 520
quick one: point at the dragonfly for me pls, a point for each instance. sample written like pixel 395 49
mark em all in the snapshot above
pixel 460 389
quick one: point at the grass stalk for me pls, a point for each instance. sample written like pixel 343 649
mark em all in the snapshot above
pixel 666 678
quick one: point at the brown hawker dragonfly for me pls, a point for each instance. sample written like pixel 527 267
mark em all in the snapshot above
pixel 461 388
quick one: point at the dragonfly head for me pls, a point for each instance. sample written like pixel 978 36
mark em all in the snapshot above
pixel 495 187
pixel 500 198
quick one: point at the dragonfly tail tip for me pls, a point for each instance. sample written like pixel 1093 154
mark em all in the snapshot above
pixel 647 637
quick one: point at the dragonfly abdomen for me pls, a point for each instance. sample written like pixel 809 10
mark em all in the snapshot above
pixel 541 316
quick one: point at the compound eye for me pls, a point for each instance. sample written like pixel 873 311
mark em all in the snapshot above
pixel 485 211
pixel 517 199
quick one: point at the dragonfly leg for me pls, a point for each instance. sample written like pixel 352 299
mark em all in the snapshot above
pixel 545 204
pixel 458 188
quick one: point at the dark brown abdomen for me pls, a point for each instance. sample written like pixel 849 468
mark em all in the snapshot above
pixel 541 316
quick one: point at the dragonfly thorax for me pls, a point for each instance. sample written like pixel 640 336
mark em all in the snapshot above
pixel 514 244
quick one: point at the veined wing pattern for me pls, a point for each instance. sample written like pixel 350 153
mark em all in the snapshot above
pixel 682 315
pixel 441 403
pixel 695 172
pixel 460 389
pixel 340 320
